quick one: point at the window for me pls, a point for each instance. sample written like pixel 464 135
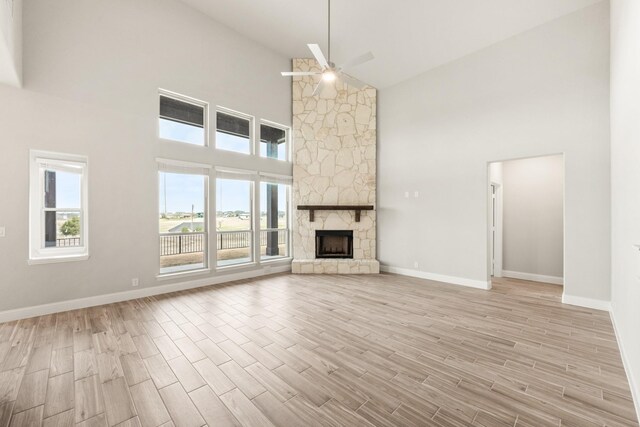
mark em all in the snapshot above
pixel 274 219
pixel 273 141
pixel 234 219
pixel 58 207
pixel 182 119
pixel 182 216
pixel 233 132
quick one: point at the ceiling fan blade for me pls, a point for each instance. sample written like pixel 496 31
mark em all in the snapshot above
pixel 352 81
pixel 299 73
pixel 317 53
pixel 319 88
pixel 357 61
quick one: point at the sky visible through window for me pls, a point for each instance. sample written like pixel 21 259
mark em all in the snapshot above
pixel 282 197
pixel 182 132
pixel 239 144
pixel 179 191
pixel 282 153
pixel 233 195
pixel 67 190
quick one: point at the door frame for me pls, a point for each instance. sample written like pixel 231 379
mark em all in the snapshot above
pixel 495 230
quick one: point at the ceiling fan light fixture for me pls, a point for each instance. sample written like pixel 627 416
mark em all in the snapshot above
pixel 328 76
pixel 329 72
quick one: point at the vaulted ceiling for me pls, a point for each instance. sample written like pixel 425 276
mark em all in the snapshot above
pixel 407 37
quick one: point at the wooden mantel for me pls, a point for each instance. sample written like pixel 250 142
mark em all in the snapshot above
pixel 356 208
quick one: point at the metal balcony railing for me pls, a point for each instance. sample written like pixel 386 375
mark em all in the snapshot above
pixel 186 243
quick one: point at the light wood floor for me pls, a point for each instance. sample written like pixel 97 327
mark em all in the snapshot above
pixel 319 350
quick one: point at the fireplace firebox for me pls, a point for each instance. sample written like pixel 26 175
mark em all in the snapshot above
pixel 334 244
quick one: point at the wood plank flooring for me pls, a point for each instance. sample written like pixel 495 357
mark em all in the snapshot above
pixel 293 350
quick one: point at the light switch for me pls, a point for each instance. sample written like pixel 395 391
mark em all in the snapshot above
pixel 2 232
pixel 406 194
pixel 416 194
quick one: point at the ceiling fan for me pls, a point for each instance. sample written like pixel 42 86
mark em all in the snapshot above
pixel 330 71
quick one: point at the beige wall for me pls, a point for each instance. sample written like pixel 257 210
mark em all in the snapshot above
pixel 11 42
pixel 533 216
pixel 542 92
pixel 91 78
pixel 625 182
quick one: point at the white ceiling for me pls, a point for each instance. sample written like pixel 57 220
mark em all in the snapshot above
pixel 407 37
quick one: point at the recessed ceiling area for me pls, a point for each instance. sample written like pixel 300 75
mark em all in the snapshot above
pixel 407 37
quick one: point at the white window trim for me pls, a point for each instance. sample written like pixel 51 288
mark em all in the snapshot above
pixel 188 100
pixel 287 180
pixel 287 133
pixel 252 131
pixel 182 167
pixel 37 253
pixel 251 177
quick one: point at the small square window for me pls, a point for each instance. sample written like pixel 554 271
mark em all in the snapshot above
pixel 182 120
pixel 233 133
pixel 273 142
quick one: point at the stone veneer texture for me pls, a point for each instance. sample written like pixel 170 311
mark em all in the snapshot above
pixel 334 163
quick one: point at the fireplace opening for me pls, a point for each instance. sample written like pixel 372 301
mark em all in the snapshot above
pixel 334 244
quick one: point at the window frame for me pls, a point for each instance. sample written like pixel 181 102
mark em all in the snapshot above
pixel 240 115
pixel 187 168
pixel 38 252
pixel 226 173
pixel 287 180
pixel 287 135
pixel 188 100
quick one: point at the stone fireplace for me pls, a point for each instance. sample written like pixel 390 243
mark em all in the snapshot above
pixel 334 165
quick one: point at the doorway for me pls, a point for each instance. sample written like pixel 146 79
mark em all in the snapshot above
pixel 526 220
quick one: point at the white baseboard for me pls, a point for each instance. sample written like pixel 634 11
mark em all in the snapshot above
pixel 635 388
pixel 462 281
pixel 74 304
pixel 597 304
pixel 533 277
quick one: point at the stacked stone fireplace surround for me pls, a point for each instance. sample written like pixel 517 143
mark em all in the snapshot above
pixel 334 163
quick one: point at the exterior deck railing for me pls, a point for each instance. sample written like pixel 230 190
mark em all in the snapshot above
pixel 186 243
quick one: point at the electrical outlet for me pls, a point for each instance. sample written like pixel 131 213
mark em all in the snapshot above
pixel 2 231
pixel 135 282
pixel 416 265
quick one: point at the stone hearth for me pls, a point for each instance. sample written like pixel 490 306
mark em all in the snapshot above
pixel 334 163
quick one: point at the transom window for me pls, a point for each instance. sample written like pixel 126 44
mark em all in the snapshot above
pixel 233 132
pixel 182 119
pixel 273 141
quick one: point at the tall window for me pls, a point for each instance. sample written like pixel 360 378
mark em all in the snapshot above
pixel 274 219
pixel 58 207
pixel 182 218
pixel 273 141
pixel 233 132
pixel 182 119
pixel 234 223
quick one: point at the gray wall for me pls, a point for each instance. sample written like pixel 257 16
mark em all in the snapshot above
pixel 92 70
pixel 543 92
pixel 11 42
pixel 533 215
pixel 625 180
